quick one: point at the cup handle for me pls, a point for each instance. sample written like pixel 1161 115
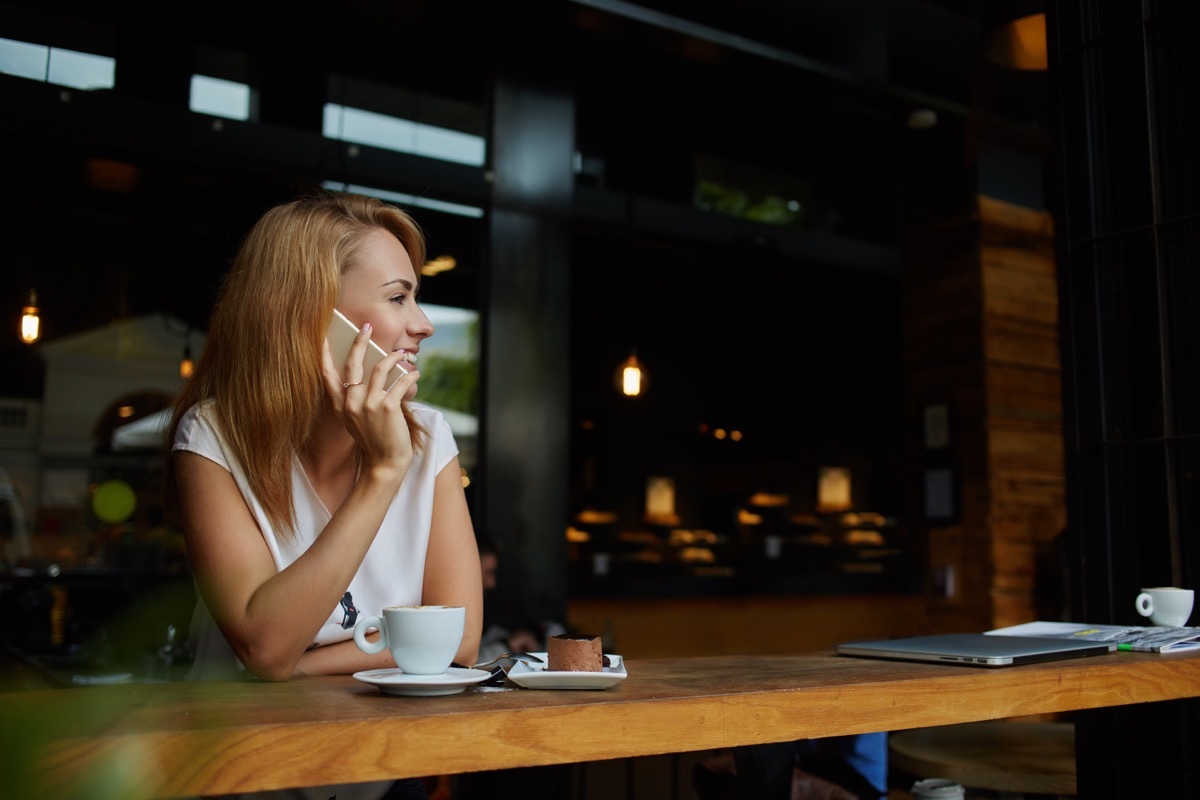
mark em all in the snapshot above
pixel 1144 605
pixel 360 635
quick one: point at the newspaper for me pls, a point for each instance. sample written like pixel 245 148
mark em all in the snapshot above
pixel 1144 639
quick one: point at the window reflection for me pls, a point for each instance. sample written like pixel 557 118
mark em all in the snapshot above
pixel 57 65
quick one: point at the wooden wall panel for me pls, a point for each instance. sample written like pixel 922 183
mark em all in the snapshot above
pixel 1024 401
pixel 981 334
pixel 1016 392
pixel 1025 447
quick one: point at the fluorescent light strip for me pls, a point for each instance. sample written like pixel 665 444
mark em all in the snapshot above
pixel 393 133
pixel 57 65
pixel 220 98
pixel 406 199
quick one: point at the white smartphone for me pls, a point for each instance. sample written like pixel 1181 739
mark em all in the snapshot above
pixel 341 336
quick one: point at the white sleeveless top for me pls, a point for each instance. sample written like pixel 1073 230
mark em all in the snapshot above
pixel 392 572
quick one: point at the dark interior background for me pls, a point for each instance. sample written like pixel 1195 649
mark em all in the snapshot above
pixel 816 94
pixel 786 333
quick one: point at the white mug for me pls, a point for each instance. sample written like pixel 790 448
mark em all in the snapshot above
pixel 1166 605
pixel 422 639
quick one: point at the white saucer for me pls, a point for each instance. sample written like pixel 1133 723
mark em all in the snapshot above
pixel 536 676
pixel 394 681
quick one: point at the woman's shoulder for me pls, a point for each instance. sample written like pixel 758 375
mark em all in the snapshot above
pixel 200 413
pixel 198 422
pixel 429 416
pixel 443 427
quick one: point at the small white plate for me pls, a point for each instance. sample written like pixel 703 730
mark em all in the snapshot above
pixel 394 681
pixel 536 676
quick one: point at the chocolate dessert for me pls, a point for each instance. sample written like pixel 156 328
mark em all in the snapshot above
pixel 574 652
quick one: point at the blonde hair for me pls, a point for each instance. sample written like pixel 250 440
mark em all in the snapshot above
pixel 262 361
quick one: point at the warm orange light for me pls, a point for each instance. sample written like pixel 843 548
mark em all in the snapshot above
pixel 1021 44
pixel 631 378
pixel 768 500
pixel 31 321
pixel 438 265
pixel 833 489
pixel 186 365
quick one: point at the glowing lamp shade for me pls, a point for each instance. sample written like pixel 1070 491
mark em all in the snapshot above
pixel 631 378
pixel 31 321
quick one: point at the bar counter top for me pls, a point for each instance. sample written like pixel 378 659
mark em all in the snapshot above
pixel 221 737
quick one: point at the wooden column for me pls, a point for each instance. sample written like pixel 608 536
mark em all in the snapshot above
pixel 1023 410
pixel 981 338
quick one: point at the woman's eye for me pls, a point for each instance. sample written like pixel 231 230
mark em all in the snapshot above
pixel 399 299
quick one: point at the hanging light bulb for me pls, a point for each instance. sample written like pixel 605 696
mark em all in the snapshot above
pixel 31 321
pixel 631 377
pixel 186 367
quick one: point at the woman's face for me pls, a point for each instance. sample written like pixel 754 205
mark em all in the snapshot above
pixel 381 288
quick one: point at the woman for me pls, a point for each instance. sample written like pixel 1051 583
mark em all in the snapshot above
pixel 308 491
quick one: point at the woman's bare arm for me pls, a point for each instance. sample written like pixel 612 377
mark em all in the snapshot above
pixel 452 573
pixel 270 618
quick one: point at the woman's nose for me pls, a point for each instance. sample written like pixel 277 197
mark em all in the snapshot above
pixel 422 326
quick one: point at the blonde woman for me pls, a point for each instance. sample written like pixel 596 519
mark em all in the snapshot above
pixel 309 492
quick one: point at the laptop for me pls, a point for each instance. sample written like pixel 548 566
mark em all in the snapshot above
pixel 975 649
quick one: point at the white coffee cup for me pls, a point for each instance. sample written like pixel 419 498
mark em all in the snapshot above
pixel 422 639
pixel 1166 605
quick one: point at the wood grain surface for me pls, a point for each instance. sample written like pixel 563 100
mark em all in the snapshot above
pixel 1023 757
pixel 177 739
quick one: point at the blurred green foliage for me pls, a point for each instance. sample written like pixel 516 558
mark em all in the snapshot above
pixel 712 196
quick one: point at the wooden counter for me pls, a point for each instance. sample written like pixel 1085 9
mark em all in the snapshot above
pixel 209 738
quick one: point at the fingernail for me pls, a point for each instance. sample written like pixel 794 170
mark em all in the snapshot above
pixel 366 326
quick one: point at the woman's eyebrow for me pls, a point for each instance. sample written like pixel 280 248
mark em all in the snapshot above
pixel 404 281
